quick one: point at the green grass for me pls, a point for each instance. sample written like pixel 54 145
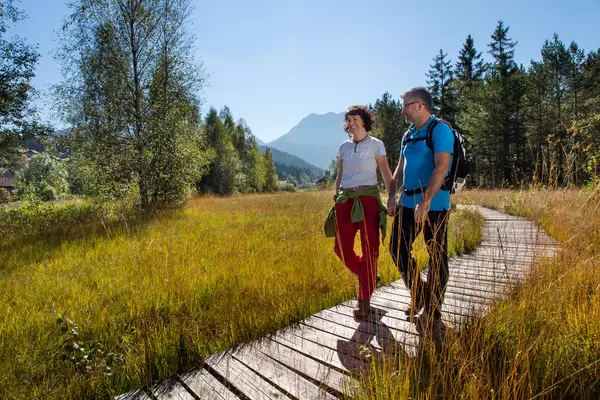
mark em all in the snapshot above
pixel 93 312
pixel 543 341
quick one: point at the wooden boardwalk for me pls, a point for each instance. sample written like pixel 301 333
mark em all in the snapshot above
pixel 320 357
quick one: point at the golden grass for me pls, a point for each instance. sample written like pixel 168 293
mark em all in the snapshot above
pixel 541 342
pixel 99 312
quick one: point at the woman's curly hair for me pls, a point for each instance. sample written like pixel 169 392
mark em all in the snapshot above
pixel 364 113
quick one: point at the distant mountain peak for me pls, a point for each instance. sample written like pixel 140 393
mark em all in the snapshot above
pixel 315 138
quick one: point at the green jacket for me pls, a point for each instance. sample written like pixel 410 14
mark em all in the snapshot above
pixel 356 213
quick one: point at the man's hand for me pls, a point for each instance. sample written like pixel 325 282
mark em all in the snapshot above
pixel 391 205
pixel 422 211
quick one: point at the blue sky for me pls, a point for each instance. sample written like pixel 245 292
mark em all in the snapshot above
pixel 273 62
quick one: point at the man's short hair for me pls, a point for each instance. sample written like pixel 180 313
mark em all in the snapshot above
pixel 420 93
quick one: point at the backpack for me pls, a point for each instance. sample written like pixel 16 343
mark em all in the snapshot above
pixel 459 167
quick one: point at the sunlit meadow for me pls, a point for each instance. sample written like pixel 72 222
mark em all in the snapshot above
pixel 543 342
pixel 105 308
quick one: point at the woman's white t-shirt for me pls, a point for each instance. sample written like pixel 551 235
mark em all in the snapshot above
pixel 360 161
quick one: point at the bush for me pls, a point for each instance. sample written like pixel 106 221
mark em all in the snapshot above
pixel 287 187
pixel 4 196
pixel 34 217
pixel 44 178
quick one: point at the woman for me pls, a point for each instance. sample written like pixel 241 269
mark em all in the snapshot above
pixel 358 205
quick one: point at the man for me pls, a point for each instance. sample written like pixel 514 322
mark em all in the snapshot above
pixel 423 207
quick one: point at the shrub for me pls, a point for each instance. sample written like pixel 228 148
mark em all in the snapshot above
pixel 4 196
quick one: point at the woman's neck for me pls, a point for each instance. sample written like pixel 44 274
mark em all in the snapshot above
pixel 359 136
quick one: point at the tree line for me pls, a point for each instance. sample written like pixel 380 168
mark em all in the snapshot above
pixel 132 95
pixel 535 124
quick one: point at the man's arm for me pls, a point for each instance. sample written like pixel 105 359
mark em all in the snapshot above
pixel 443 145
pixel 441 160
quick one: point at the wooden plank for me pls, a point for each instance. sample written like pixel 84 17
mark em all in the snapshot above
pixel 457 274
pixel 279 375
pixel 321 352
pixel 516 248
pixel 206 386
pixel 134 395
pixel 490 277
pixel 395 335
pixel 493 262
pixel 317 335
pixel 479 280
pixel 454 290
pixel 509 272
pixel 242 378
pixel 469 273
pixel 486 262
pixel 452 304
pixel 519 238
pixel 358 336
pixel 326 374
pixel 513 234
pixel 376 335
pixel 345 348
pixel 343 345
pixel 388 331
pixel 449 306
pixel 410 340
pixel 172 389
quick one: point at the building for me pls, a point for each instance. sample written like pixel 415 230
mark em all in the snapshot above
pixel 7 179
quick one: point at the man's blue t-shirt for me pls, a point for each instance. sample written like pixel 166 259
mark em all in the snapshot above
pixel 419 164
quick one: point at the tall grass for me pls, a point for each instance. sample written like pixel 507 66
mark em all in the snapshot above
pixel 92 313
pixel 543 341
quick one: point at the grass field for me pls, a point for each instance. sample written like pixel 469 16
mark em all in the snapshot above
pixel 91 312
pixel 543 342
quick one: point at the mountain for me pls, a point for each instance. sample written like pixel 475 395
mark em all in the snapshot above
pixel 283 158
pixel 316 138
pixel 259 142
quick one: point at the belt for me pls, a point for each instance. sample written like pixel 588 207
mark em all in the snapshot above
pixel 354 189
pixel 412 192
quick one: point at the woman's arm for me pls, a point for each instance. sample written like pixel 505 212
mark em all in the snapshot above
pixel 386 173
pixel 338 178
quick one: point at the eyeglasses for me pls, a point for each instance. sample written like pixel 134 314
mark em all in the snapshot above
pixel 408 104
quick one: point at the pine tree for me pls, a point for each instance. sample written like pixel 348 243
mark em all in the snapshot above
pixel 469 71
pixel 470 67
pixel 440 78
pixel 556 57
pixel 539 122
pixel 505 90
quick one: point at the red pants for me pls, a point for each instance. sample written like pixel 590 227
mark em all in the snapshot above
pixel 365 265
